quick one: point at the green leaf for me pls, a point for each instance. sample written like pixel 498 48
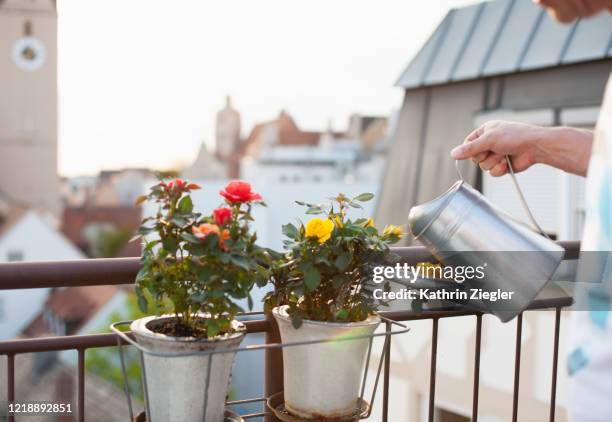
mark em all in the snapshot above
pixel 343 260
pixel 291 231
pixel 178 221
pixel 315 210
pixel 342 314
pixel 240 261
pixel 185 205
pixel 312 278
pixel 296 320
pixel 170 244
pixel 212 328
pixel 203 273
pixel 211 241
pixel 142 300
pixel 364 197
pixel 144 230
pixel 190 238
pixel 150 245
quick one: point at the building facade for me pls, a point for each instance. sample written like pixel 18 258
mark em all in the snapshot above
pixel 28 110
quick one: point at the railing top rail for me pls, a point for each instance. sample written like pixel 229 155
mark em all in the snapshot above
pixel 113 271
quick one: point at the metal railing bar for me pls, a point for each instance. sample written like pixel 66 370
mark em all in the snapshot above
pixel 255 415
pixel 555 362
pixel 83 272
pixel 477 344
pixel 386 345
pixel 81 386
pixel 126 385
pixel 47 344
pixel 450 312
pixel 10 381
pixel 88 341
pixel 143 377
pixel 113 271
pixel 246 401
pixel 517 366
pixel 252 348
pixel 386 378
pixel 432 372
pixel 365 376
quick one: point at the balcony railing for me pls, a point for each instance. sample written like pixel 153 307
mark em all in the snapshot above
pixel 123 271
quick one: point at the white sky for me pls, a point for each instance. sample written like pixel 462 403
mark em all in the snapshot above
pixel 140 81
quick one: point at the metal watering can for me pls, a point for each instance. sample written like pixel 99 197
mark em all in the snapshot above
pixel 462 228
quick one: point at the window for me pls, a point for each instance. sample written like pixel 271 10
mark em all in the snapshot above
pixel 14 256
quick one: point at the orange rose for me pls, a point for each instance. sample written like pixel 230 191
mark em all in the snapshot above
pixel 205 229
pixel 225 234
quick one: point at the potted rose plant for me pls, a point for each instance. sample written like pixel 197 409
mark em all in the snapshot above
pixel 324 290
pixel 195 269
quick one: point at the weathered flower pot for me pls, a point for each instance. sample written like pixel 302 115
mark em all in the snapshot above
pixel 176 386
pixel 323 380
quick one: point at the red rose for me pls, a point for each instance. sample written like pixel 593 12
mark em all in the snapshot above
pixel 178 184
pixel 222 215
pixel 237 192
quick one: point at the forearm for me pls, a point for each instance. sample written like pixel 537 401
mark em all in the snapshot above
pixel 565 148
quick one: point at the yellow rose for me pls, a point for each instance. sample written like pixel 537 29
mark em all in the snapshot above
pixel 369 223
pixel 392 230
pixel 321 229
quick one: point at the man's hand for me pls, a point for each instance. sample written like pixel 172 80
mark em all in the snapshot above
pixel 565 148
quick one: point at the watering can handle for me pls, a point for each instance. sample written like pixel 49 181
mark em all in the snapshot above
pixel 520 194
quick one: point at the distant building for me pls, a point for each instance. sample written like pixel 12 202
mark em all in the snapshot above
pixel 87 226
pixel 28 111
pixel 26 235
pixel 228 139
pixel 206 166
pixel 76 310
pixel 370 130
pixel 110 188
pixel 279 151
pixel 282 131
pixel 503 59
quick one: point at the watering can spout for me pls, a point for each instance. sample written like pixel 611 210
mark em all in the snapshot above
pixel 421 216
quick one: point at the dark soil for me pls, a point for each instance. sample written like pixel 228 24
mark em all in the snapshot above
pixel 171 327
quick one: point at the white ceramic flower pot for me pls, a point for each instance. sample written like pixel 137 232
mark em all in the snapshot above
pixel 176 386
pixel 323 380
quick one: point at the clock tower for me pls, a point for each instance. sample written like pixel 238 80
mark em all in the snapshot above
pixel 28 104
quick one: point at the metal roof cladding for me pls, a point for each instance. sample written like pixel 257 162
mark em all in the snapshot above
pixel 504 36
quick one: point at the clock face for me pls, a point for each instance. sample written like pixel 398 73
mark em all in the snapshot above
pixel 29 53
